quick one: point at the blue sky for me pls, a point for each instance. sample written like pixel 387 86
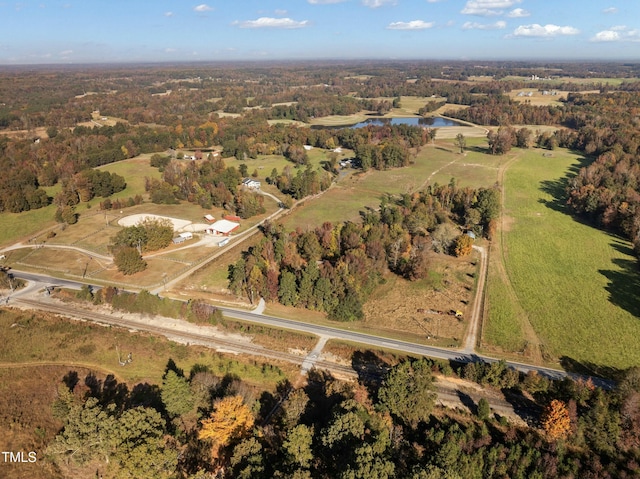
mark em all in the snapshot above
pixel 81 31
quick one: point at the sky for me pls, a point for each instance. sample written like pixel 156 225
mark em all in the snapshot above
pixel 114 31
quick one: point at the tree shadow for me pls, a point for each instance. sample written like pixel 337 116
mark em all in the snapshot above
pixel 323 397
pixel 524 407
pixel 108 391
pixel 468 402
pixel 146 395
pixel 592 370
pixel 71 380
pixel 172 366
pixel 624 282
pixel 478 149
pixel 557 188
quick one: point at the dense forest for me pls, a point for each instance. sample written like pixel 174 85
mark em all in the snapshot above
pixel 201 424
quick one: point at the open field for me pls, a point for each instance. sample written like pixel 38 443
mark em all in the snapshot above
pixel 134 171
pixel 537 98
pixel 577 286
pixel 556 80
pixel 40 132
pixel 45 338
pixel 22 226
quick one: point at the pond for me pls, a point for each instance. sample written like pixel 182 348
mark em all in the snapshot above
pixel 430 122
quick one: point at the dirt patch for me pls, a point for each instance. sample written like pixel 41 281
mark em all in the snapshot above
pixel 427 307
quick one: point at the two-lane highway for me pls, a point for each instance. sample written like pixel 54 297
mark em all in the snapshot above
pixel 329 332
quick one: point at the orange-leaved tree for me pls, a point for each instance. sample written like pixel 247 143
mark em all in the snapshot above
pixel 230 419
pixel 556 420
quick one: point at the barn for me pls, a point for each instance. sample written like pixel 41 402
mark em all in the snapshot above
pixel 222 228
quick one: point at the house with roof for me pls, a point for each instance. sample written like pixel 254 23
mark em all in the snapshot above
pixel 251 184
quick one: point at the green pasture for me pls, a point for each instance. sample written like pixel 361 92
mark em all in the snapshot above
pixel 578 285
pixel 437 163
pixel 23 226
pixel 134 172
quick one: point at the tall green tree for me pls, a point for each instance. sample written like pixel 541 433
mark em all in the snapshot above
pixel 407 392
pixel 176 394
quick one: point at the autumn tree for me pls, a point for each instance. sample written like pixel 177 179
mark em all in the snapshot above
pixel 463 245
pixel 555 420
pixel 230 419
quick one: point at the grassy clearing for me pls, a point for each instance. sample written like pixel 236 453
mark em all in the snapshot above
pixel 43 338
pixel 537 98
pixel 23 226
pixel 134 172
pixel 577 284
pixel 434 164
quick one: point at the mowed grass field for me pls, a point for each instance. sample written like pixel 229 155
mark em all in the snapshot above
pixel 575 284
pixel 436 163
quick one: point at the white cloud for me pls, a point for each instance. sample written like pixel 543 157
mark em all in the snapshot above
pixel 606 36
pixel 610 10
pixel 324 2
pixel 170 50
pixel 281 13
pixel 486 8
pixel 535 30
pixel 168 14
pixel 268 22
pixel 203 7
pixel 484 26
pixel 618 33
pixel 518 13
pixel 65 53
pixel 378 3
pixel 412 25
pixel 433 1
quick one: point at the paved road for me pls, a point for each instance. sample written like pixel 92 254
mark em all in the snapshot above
pixel 349 336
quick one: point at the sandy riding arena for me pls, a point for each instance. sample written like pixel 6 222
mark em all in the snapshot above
pixel 178 225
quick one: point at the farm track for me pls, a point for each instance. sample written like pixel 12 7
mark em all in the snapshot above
pixel 532 341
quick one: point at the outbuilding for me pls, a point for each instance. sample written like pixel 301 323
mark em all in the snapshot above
pixel 222 227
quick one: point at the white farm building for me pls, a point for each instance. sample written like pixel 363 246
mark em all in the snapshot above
pixel 222 228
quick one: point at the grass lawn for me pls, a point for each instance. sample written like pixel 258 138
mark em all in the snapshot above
pixel 577 285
